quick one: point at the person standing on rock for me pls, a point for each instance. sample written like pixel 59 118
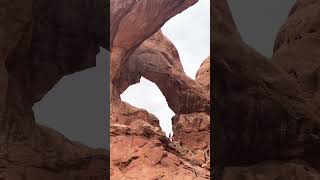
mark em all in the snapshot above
pixel 170 137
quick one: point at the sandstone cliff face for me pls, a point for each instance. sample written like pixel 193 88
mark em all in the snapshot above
pixel 296 48
pixel 266 119
pixel 40 42
pixel 139 148
pixel 203 74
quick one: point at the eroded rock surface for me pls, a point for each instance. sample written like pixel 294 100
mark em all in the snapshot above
pixel 158 61
pixel 144 19
pixel 264 111
pixel 296 48
pixel 192 132
pixel 272 170
pixel 139 148
pixel 143 152
pixel 203 74
pixel 40 42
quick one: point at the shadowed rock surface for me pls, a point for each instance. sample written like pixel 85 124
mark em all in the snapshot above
pixel 266 114
pixel 138 146
pixel 40 42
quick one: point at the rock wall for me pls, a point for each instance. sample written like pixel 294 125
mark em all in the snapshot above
pixel 266 114
pixel 296 48
pixel 40 42
pixel 139 148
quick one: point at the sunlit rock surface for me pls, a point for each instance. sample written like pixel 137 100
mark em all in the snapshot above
pixel 139 148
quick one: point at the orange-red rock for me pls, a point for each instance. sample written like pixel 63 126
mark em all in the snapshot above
pixel 203 74
pixel 139 148
pixel 158 60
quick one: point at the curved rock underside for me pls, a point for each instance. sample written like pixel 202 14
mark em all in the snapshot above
pixel 40 42
pixel 138 147
pixel 267 121
pixel 158 61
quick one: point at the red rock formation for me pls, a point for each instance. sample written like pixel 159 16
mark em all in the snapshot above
pixel 264 116
pixel 296 47
pixel 144 18
pixel 158 61
pixel 139 149
pixel 203 74
pixel 40 42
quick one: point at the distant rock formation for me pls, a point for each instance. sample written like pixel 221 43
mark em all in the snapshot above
pixel 40 42
pixel 266 120
pixel 139 148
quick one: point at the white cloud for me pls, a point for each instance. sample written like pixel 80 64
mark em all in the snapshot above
pixel 189 31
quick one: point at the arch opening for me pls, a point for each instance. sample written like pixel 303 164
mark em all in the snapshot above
pixel 267 17
pixel 77 105
pixel 147 95
pixel 193 46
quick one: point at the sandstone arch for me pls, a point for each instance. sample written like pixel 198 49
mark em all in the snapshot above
pixel 144 51
pixel 144 18
pixel 158 61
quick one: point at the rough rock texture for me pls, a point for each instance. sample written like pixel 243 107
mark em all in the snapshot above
pixel 262 111
pixel 49 155
pixel 192 131
pixel 203 74
pixel 40 42
pixel 158 61
pixel 273 170
pixel 144 19
pixel 297 44
pixel 139 148
pixel 141 151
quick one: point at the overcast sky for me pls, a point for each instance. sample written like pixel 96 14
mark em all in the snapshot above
pixel 77 105
pixel 259 21
pixel 190 33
